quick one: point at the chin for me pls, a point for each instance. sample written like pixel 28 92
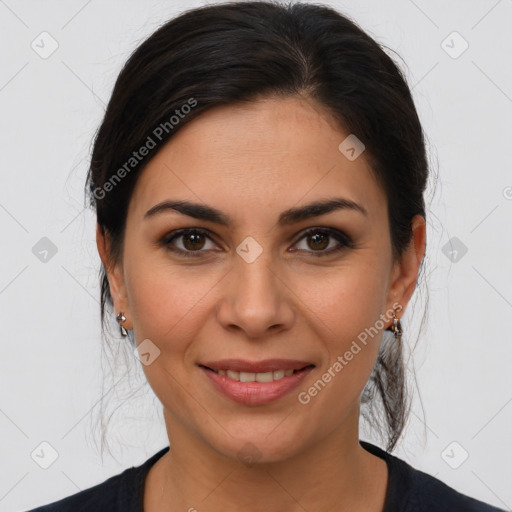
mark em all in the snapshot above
pixel 265 443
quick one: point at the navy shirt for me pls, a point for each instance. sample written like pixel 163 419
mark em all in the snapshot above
pixel 409 490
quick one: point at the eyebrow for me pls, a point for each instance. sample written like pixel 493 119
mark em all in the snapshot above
pixel 288 217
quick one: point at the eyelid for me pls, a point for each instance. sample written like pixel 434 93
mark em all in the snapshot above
pixel 323 229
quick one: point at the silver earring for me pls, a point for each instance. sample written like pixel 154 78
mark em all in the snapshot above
pixel 120 319
pixel 396 327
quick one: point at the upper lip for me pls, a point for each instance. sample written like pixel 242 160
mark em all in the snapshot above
pixel 267 365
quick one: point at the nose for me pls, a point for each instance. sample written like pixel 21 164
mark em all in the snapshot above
pixel 256 299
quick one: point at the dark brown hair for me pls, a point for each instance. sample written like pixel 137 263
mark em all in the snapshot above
pixel 242 51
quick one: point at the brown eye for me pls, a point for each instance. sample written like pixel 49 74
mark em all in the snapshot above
pixel 318 240
pixel 193 242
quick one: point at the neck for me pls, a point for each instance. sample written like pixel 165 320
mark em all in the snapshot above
pixel 336 474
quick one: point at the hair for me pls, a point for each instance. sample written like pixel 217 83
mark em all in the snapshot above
pixel 240 52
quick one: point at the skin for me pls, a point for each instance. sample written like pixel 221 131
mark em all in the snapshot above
pixel 253 161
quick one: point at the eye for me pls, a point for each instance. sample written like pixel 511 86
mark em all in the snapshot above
pixel 320 240
pixel 192 241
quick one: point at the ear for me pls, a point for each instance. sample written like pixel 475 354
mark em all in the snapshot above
pixel 405 271
pixel 115 276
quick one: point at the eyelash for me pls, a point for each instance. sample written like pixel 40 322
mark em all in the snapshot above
pixel 344 241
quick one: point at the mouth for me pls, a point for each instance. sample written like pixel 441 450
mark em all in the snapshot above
pixel 256 383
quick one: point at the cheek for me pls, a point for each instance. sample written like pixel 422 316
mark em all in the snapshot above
pixel 345 300
pixel 166 301
pixel 345 308
pixel 168 306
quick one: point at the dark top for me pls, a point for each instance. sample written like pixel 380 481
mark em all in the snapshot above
pixel 409 490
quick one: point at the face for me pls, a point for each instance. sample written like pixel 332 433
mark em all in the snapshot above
pixel 255 284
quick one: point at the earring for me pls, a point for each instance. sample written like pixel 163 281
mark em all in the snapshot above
pixel 120 319
pixel 396 327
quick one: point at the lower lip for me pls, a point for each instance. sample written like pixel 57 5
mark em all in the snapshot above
pixel 256 393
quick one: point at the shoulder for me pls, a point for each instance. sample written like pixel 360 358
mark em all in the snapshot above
pixel 122 492
pixel 412 490
pixel 100 497
pixel 430 493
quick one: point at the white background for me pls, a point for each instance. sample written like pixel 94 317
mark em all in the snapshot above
pixel 51 370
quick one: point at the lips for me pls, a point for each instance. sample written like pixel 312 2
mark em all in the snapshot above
pixel 255 382
pixel 256 388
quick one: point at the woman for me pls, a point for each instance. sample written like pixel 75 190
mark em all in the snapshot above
pixel 258 180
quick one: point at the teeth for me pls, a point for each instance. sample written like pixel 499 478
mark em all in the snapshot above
pixel 255 377
pixel 264 377
pixel 247 377
pixel 279 374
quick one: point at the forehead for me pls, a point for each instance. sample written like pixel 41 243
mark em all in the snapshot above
pixel 259 157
